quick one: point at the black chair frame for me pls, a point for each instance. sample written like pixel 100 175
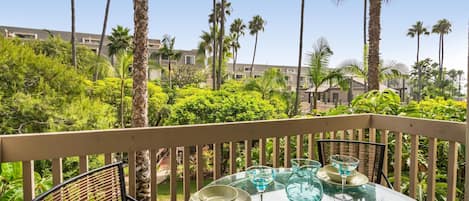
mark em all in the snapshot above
pixel 381 156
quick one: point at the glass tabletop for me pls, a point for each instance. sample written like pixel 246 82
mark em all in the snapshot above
pixel 276 190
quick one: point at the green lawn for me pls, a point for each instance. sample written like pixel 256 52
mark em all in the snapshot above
pixel 164 193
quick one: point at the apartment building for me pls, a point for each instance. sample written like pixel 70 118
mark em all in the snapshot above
pixel 290 72
pixel 88 39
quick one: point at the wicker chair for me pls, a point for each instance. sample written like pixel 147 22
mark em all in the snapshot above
pixel 371 156
pixel 105 183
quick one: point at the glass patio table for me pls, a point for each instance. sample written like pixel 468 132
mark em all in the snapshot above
pixel 276 190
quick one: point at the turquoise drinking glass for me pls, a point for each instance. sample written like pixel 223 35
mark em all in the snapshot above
pixel 345 165
pixel 261 177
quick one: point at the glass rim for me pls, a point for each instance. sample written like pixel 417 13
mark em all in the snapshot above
pixel 314 163
pixel 258 167
pixel 355 160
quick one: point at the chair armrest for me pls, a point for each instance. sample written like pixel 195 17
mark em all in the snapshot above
pixel 130 198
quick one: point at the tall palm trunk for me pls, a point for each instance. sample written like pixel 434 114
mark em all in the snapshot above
pixel 140 94
pixel 169 73
pixel 122 103
pixel 74 49
pixel 220 43
pixel 374 33
pixel 300 54
pixel 419 69
pixel 253 56
pixel 441 64
pixel 315 98
pixel 365 7
pixel 214 47
pixel 235 55
pixel 101 41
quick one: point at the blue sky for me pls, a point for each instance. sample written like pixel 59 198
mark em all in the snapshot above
pixel 341 25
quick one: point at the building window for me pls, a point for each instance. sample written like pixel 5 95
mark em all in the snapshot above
pixel 239 77
pixel 247 69
pixel 302 79
pixel 291 71
pixel 89 40
pixel 22 35
pixel 256 76
pixel 95 50
pixel 189 60
pixel 153 45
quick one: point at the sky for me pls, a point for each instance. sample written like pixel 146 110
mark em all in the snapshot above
pixel 340 24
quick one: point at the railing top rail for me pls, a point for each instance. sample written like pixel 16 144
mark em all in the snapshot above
pixel 444 130
pixel 64 144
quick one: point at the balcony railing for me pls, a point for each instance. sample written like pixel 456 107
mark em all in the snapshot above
pixel 364 127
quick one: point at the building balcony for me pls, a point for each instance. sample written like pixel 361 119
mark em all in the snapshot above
pixel 298 137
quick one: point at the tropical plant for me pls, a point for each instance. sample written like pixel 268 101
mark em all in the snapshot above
pixel 453 75
pixel 442 27
pixel 256 25
pixel 119 40
pixel 124 62
pixel 385 102
pixel 300 59
pixel 73 40
pixel 319 73
pixel 418 30
pixel 103 33
pixel 140 98
pixel 360 70
pixel 272 81
pixel 168 51
pixel 237 29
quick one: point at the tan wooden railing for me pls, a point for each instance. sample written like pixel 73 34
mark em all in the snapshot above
pixel 363 127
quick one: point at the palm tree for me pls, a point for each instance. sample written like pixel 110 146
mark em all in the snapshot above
pixel 256 25
pixel 213 19
pixel 140 94
pixel 124 61
pixel 441 28
pixel 237 30
pixel 374 32
pixel 119 40
pixel 221 36
pixel 300 55
pixel 168 51
pixel 272 81
pixel 103 33
pixel 319 73
pixel 360 70
pixel 205 47
pixel 460 73
pixel 74 48
pixel 416 31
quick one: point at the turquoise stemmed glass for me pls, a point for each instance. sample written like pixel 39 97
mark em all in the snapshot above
pixel 345 166
pixel 261 177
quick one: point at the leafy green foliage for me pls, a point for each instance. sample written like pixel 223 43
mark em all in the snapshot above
pixel 108 91
pixel 220 106
pixel 385 102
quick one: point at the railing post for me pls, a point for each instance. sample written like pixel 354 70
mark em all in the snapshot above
pixel 398 162
pixel 57 171
pixel 200 167
pixel 432 157
pixel 28 180
pixel 153 174
pixel 414 139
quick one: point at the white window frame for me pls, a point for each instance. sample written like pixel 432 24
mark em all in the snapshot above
pixel 189 56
